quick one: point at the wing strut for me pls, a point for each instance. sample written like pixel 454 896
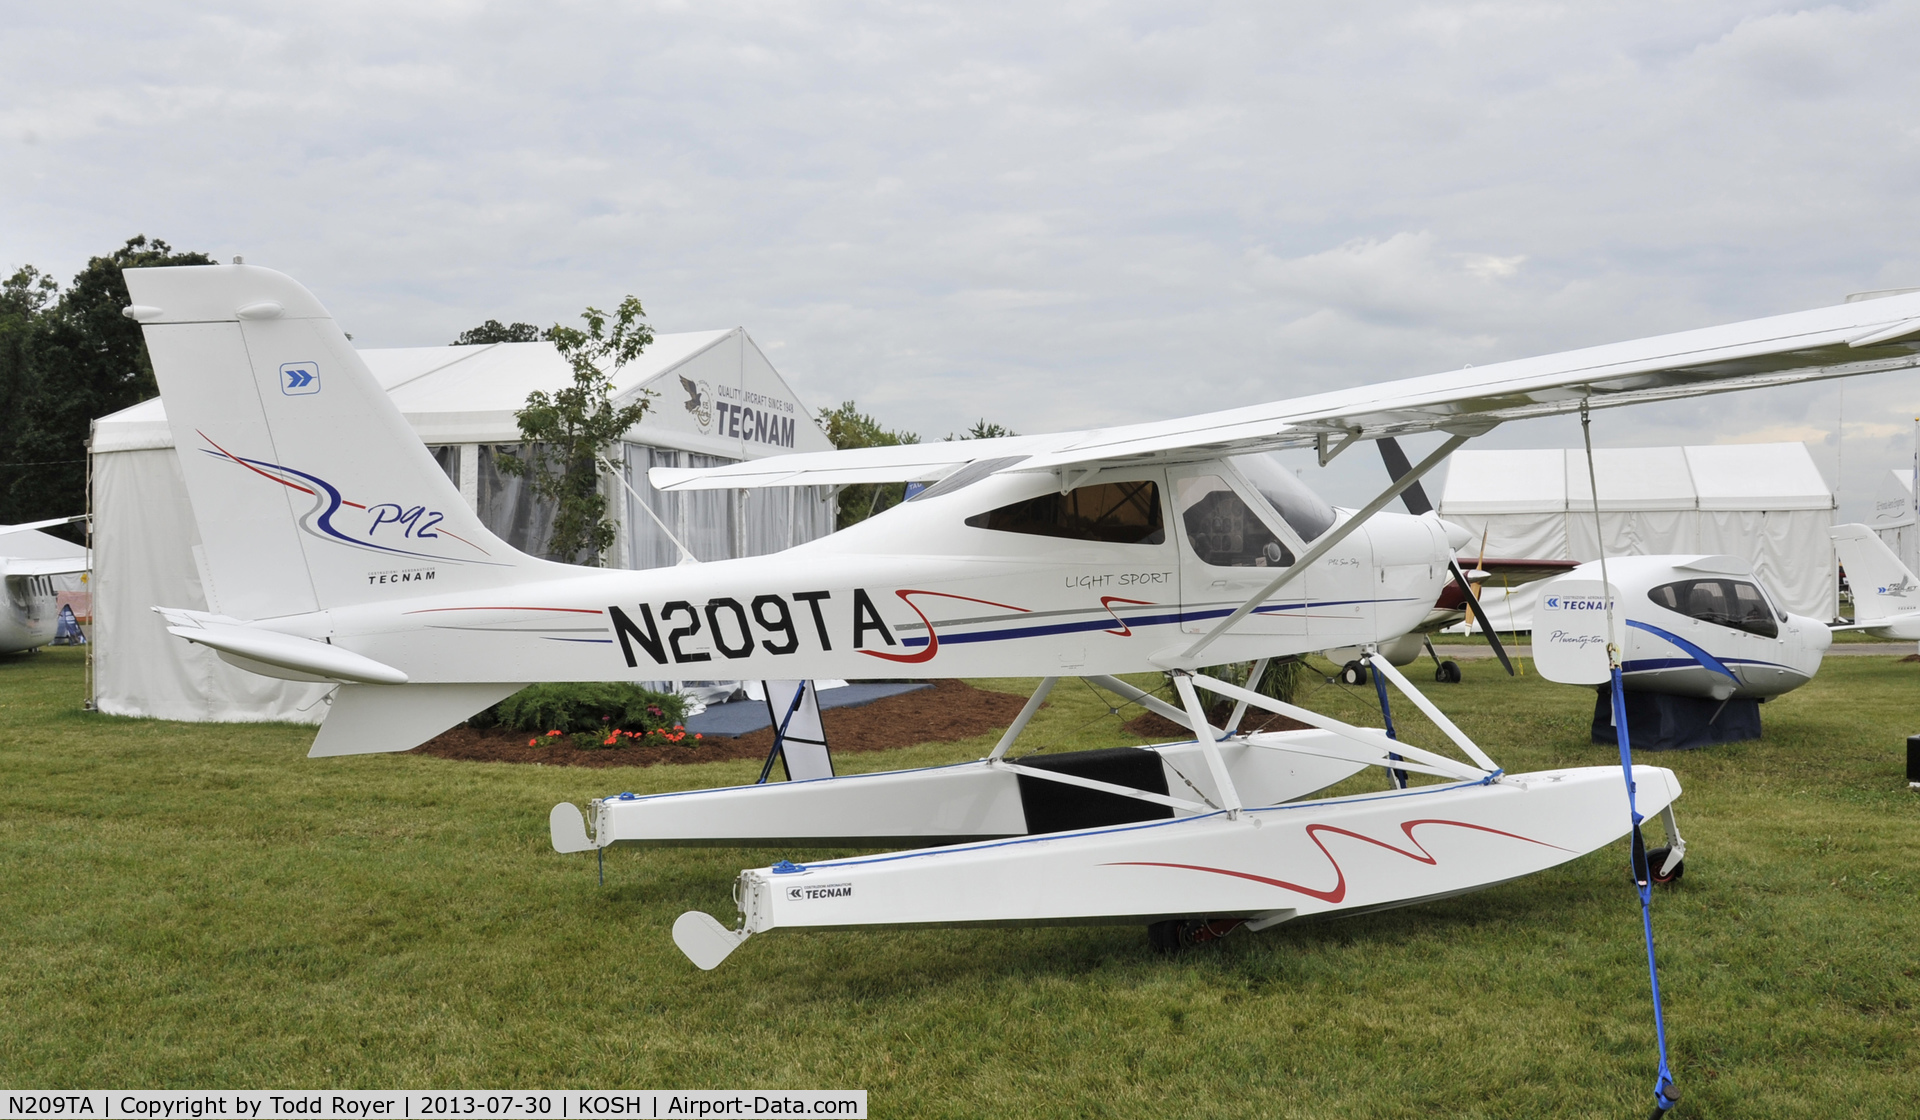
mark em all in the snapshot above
pixel 1209 743
pixel 1025 717
pixel 1333 537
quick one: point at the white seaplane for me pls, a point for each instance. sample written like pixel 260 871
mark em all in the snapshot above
pixel 29 561
pixel 338 551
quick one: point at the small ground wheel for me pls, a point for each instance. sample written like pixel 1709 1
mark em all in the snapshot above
pixel 1176 934
pixel 1448 672
pixel 1353 672
pixel 1657 858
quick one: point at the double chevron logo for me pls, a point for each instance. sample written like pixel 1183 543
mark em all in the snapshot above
pixel 299 379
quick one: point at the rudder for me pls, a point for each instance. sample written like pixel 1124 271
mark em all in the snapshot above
pixel 1883 587
pixel 310 489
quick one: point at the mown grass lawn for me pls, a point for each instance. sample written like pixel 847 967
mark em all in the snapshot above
pixel 193 905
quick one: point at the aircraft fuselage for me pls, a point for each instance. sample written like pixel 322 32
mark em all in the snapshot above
pixel 920 592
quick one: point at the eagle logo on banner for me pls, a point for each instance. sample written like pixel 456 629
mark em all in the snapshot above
pixel 699 401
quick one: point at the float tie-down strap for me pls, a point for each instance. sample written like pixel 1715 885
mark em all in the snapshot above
pixel 1665 1095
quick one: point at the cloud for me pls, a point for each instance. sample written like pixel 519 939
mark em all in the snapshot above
pixel 1048 215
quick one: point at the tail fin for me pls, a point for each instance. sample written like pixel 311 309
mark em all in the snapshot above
pixel 310 489
pixel 1884 589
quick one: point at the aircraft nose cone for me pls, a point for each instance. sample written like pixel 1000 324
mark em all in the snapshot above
pixel 1458 536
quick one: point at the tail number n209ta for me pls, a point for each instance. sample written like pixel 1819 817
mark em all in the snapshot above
pixel 738 630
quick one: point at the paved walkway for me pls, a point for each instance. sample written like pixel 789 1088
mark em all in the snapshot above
pixel 743 717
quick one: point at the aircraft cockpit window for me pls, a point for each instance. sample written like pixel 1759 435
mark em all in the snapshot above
pixel 1722 602
pixel 1109 512
pixel 1299 506
pixel 1223 531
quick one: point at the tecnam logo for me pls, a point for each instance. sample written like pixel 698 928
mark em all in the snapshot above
pixel 1569 603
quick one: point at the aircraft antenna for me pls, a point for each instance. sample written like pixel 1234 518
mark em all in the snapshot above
pixel 1665 1095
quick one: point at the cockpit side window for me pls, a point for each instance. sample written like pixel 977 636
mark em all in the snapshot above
pixel 1299 506
pixel 1108 512
pixel 1223 531
pixel 1723 602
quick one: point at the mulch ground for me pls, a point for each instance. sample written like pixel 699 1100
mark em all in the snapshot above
pixel 948 711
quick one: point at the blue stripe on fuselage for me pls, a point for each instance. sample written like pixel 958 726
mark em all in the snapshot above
pixel 1104 624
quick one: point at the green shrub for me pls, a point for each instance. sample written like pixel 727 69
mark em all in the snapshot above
pixel 586 707
pixel 1281 680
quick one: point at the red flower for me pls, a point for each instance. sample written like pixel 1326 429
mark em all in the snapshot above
pixel 551 734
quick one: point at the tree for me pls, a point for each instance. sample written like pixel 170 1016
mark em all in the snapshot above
pixel 983 430
pixel 493 331
pixel 75 359
pixel 23 300
pixel 848 427
pixel 568 432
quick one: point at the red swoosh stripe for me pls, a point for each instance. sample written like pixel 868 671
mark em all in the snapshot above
pixel 1339 891
pixel 933 639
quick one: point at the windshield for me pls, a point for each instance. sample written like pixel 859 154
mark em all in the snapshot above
pixel 1298 506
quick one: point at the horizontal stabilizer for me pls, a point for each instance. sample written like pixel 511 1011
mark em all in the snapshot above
pixel 370 719
pixel 309 659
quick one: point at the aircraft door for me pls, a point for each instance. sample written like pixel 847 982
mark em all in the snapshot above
pixel 1229 550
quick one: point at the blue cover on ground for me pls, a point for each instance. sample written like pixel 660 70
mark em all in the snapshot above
pixel 1659 722
pixel 743 717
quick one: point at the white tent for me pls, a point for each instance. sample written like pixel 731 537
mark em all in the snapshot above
pixel 714 399
pixel 1766 502
pixel 1893 516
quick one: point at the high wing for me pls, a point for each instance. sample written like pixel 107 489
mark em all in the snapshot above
pixel 47 524
pixel 1869 336
pixel 909 462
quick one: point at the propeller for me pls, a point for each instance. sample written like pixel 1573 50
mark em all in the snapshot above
pixel 1415 497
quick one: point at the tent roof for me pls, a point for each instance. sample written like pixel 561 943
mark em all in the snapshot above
pixel 32 544
pixel 1743 476
pixel 468 394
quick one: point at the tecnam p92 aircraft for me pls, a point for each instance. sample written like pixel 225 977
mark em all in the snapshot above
pixel 338 551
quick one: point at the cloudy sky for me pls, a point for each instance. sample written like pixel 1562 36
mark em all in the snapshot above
pixel 1048 215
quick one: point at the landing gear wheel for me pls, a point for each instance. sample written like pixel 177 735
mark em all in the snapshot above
pixel 1165 937
pixel 1657 858
pixel 1448 672
pixel 1353 672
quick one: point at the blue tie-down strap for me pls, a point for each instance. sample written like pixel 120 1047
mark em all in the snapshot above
pixel 1665 1095
pixel 788 867
pixel 1386 716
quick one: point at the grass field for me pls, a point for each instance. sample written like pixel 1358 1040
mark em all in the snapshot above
pixel 197 905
